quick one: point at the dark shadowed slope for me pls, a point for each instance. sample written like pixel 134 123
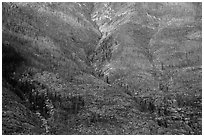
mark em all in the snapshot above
pixel 42 41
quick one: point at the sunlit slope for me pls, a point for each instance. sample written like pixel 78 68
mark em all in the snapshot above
pixel 146 44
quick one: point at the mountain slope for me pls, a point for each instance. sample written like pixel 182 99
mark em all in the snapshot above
pixel 101 68
pixel 40 41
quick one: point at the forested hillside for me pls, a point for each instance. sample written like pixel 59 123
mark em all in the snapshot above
pixel 101 68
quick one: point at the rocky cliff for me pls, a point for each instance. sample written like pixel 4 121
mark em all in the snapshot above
pixel 101 68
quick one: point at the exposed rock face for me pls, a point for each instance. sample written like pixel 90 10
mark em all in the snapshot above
pixel 148 44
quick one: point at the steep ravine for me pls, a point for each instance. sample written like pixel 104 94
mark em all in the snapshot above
pixel 101 68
